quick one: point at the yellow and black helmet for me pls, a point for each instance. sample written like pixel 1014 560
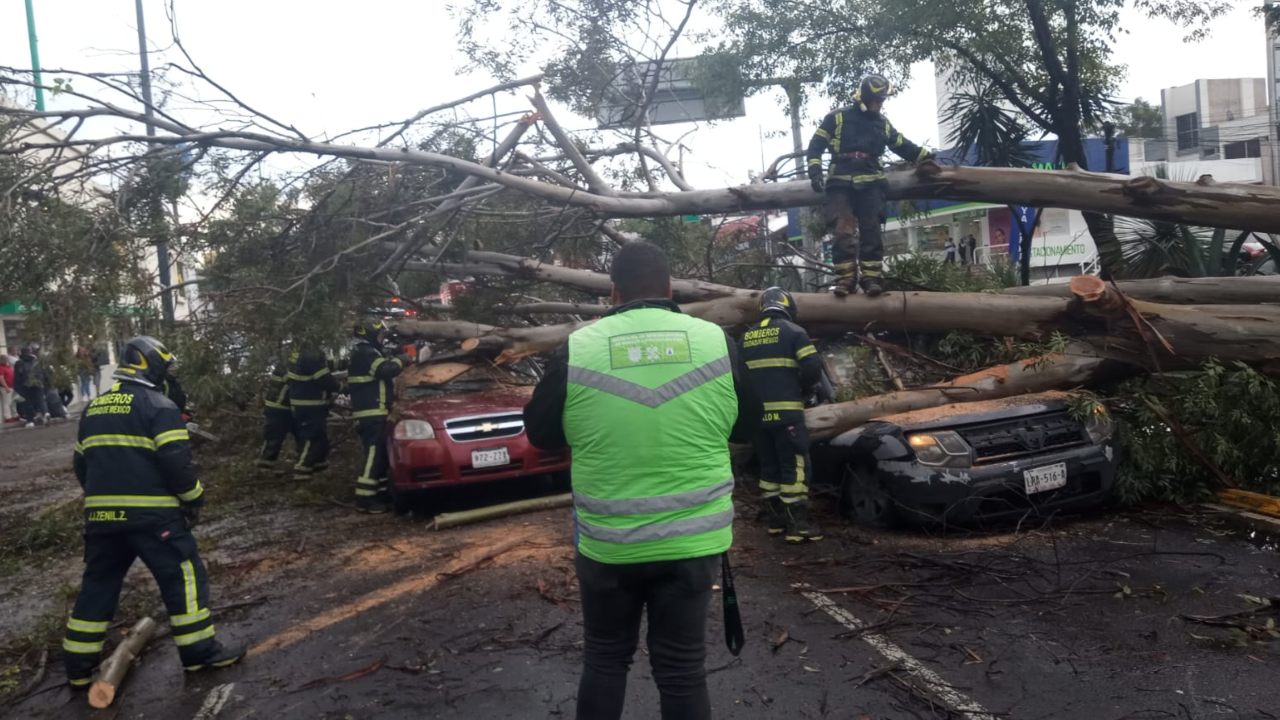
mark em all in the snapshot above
pixel 371 330
pixel 147 358
pixel 875 87
pixel 777 300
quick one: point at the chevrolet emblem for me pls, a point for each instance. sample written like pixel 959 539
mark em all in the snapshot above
pixel 487 427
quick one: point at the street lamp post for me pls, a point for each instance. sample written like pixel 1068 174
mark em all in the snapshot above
pixel 162 244
pixel 35 56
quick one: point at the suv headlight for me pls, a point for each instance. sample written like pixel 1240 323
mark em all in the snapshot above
pixel 1099 427
pixel 941 448
pixel 414 430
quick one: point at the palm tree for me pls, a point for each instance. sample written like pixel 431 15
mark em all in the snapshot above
pixel 1151 248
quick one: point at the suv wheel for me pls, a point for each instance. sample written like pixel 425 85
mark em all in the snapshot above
pixel 864 499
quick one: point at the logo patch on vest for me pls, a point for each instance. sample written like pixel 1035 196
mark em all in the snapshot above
pixel 649 348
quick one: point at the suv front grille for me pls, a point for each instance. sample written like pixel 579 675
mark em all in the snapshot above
pixel 1009 439
pixel 485 427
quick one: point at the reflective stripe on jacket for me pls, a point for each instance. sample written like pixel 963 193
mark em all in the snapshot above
pixel 311 384
pixel 649 407
pixel 857 138
pixel 372 381
pixel 133 458
pixel 783 366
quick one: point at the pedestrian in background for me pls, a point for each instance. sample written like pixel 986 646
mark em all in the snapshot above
pixel 85 372
pixel 648 399
pixel 950 247
pixel 7 411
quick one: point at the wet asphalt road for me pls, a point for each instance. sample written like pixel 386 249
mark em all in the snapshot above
pixel 380 617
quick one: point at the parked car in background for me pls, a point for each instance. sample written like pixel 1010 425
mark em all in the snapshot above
pixel 463 424
pixel 972 463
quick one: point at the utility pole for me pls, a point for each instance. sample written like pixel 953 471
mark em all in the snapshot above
pixel 35 56
pixel 162 244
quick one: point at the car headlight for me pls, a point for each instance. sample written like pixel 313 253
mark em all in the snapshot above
pixel 414 430
pixel 1099 427
pixel 944 447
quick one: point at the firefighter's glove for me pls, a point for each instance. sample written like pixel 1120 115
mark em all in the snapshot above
pixel 928 155
pixel 190 515
pixel 815 178
pixel 408 359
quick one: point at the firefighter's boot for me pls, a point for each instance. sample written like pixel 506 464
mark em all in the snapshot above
pixel 220 656
pixel 801 526
pixel 846 280
pixel 871 286
pixel 774 515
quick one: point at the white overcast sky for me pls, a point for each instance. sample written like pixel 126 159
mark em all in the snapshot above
pixel 328 66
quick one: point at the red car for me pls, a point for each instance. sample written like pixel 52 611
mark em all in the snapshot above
pixel 466 430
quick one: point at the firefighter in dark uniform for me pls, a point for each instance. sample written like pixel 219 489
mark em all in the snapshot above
pixel 371 380
pixel 277 417
pixel 857 136
pixel 311 390
pixel 784 368
pixel 133 459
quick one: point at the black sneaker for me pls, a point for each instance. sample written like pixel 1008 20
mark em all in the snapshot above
pixel 775 517
pixel 222 656
pixel 871 286
pixel 800 524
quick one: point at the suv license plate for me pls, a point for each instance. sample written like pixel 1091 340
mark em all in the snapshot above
pixel 1050 477
pixel 489 458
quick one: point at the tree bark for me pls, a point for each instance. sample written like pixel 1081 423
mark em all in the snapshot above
pixel 1181 291
pixel 1051 372
pixel 1246 207
pixel 1150 335
pixel 113 671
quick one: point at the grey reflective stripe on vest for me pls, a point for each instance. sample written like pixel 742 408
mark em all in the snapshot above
pixel 658 504
pixel 650 397
pixel 659 531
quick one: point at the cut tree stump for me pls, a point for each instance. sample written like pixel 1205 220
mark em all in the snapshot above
pixel 112 673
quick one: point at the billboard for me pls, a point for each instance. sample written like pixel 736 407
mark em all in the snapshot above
pixel 677 98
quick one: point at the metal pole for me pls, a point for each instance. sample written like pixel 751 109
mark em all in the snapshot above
pixel 35 56
pixel 162 245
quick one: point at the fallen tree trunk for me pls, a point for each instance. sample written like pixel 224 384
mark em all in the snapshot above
pixel 1077 367
pixel 492 263
pixel 1205 203
pixel 1180 291
pixel 113 671
pixel 444 521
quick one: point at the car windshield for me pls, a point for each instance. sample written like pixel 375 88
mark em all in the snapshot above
pixel 456 378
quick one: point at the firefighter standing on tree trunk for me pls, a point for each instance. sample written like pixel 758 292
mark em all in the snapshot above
pixel 371 379
pixel 857 136
pixel 784 368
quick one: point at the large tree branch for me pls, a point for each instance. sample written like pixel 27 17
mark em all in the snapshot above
pixel 570 149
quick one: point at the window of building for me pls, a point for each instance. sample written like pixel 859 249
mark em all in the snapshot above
pixel 1188 131
pixel 897 242
pixel 1243 149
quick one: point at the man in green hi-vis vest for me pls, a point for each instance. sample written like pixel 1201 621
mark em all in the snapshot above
pixel 648 399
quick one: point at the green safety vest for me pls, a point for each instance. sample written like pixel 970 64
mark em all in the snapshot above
pixel 648 411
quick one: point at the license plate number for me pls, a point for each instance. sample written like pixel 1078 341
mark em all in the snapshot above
pixel 489 458
pixel 1050 477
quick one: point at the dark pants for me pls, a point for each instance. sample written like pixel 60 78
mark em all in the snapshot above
pixel 676 594
pixel 35 403
pixel 785 469
pixel 170 554
pixel 313 438
pixel 857 210
pixel 277 424
pixel 372 484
